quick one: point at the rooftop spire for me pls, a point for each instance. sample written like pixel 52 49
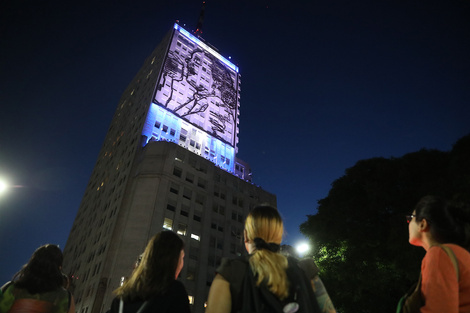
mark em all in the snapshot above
pixel 198 31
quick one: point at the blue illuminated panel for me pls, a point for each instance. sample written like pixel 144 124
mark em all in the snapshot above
pixel 163 125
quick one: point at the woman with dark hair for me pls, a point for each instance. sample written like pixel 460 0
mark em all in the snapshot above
pixel 442 228
pixel 38 286
pixel 277 278
pixel 152 286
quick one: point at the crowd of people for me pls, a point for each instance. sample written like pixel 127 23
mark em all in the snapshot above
pixel 265 280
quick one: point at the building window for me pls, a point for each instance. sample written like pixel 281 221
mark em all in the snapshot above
pixel 174 188
pixel 191 299
pixel 157 124
pixel 190 177
pixel 177 171
pixel 203 169
pixel 184 213
pixel 165 128
pixel 200 199
pixel 195 237
pixel 170 207
pixel 168 223
pixel 201 182
pixel 194 253
pixel 191 274
pixel 197 218
pixel 172 132
pixel 187 193
pixel 182 229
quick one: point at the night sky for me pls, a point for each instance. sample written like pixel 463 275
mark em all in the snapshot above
pixel 325 83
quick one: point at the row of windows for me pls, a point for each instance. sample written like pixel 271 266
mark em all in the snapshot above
pixel 188 193
pixel 201 182
pixel 182 228
pixel 184 211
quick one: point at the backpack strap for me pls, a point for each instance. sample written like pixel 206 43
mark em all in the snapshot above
pixel 301 285
pixel 453 259
pixel 141 308
pixel 260 299
pixel 257 298
pixel 5 287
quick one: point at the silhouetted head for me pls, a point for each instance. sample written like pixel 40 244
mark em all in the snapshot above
pixel 162 253
pixel 43 272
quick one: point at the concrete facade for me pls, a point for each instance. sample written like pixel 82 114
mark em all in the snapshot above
pixel 140 187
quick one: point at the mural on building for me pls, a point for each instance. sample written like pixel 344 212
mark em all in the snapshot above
pixel 200 86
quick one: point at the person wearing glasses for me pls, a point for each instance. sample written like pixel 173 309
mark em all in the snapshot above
pixel 437 225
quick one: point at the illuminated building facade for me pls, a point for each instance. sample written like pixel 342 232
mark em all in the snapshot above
pixel 196 101
pixel 168 162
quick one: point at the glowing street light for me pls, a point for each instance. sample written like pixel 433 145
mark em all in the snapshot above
pixel 3 186
pixel 302 248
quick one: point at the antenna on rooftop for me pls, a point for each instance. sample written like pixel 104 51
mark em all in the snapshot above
pixel 198 31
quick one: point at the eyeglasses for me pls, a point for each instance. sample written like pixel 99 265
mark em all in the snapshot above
pixel 410 217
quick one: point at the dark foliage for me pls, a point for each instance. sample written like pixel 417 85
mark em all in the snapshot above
pixel 360 235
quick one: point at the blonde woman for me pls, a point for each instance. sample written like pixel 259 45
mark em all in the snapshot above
pixel 278 280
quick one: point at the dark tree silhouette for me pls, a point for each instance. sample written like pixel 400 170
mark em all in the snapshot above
pixel 359 234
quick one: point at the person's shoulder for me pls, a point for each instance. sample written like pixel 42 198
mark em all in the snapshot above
pixel 178 286
pixel 307 265
pixel 436 257
pixel 229 264
pixel 457 249
pixel 236 260
pixel 231 268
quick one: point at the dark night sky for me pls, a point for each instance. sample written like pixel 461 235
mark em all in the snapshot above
pixel 325 83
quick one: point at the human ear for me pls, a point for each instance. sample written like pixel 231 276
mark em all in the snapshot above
pixel 245 236
pixel 423 225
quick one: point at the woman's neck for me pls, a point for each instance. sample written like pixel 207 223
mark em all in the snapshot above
pixel 429 241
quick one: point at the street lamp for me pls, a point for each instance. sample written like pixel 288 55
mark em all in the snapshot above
pixel 302 248
pixel 3 186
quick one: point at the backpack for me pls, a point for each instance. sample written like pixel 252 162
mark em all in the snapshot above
pixel 261 300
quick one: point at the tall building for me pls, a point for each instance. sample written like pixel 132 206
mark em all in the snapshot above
pixel 168 162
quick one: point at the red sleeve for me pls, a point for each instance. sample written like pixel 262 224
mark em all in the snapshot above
pixel 439 285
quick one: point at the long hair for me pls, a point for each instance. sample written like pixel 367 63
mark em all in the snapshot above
pixel 265 222
pixel 449 221
pixel 43 271
pixel 156 271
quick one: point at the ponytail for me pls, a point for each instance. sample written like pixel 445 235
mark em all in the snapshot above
pixel 264 229
pixel 271 268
